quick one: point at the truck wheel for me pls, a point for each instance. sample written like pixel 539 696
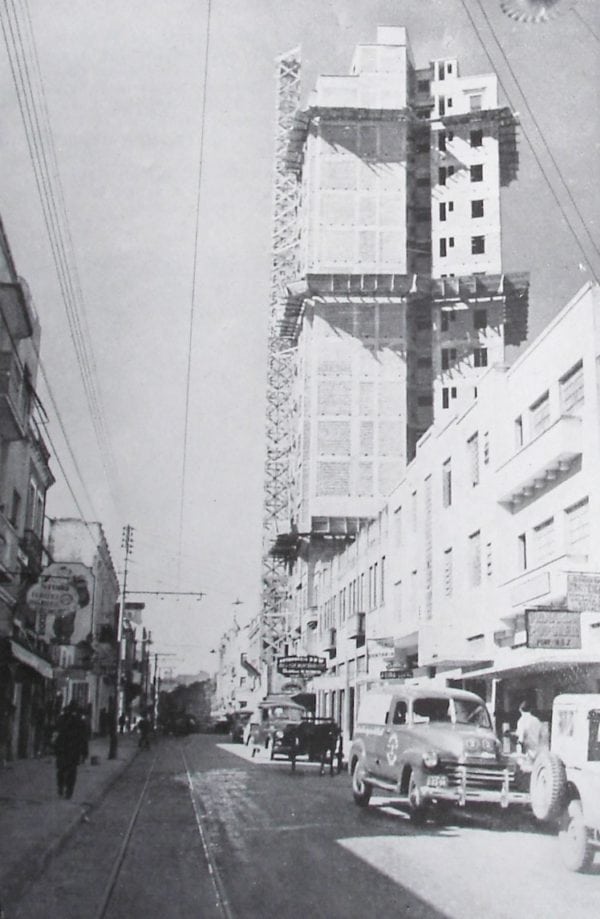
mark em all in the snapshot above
pixel 548 786
pixel 575 849
pixel 417 808
pixel 361 790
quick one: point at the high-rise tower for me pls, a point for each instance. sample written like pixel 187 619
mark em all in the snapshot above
pixel 400 302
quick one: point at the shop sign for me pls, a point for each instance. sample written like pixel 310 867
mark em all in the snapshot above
pixel 396 673
pixel 553 628
pixel 307 665
pixel 583 592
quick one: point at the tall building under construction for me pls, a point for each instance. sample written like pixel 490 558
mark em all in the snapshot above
pixel 399 301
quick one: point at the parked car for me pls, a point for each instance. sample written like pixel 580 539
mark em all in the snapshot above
pixel 565 780
pixel 273 717
pixel 434 747
pixel 221 721
pixel 239 720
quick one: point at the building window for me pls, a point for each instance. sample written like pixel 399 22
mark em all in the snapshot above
pixel 476 209
pixel 443 248
pixel 539 415
pixel 480 319
pixel 441 105
pixel 445 397
pixel 453 392
pixel 486 448
pixel 382 580
pixel 450 206
pixel 448 357
pixel 543 541
pixel 571 389
pixel 449 102
pixel 488 559
pixel 475 102
pixel 451 242
pixel 477 173
pixel 15 508
pixel 447 483
pixel 475 559
pixel 441 139
pixel 442 210
pixel 522 552
pixel 577 526
pixel 473 451
pixel 518 432
pixel 480 358
pixel 476 138
pixel 448 68
pixel 442 174
pixel 448 573
pixel 477 245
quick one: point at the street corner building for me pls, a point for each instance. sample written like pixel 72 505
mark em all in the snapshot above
pixel 429 510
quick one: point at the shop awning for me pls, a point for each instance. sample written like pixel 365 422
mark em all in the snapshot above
pixel 535 663
pixel 32 660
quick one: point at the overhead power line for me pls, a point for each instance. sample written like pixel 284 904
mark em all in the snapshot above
pixel 587 25
pixel 538 127
pixel 30 93
pixel 188 375
pixel 534 152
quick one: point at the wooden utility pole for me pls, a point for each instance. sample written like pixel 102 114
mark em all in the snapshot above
pixel 127 545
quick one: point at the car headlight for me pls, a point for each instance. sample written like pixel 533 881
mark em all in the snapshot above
pixel 430 759
pixel 278 734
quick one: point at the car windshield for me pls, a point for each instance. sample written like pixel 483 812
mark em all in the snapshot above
pixel 290 714
pixel 450 711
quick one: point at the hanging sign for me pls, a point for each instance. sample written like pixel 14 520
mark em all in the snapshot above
pixel 553 628
pixel 309 665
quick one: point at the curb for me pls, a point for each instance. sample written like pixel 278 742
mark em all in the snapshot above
pixel 38 859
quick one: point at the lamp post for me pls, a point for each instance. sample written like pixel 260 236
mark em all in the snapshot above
pixel 127 544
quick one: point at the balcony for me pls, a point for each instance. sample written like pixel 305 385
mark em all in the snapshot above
pixel 355 628
pixel 330 643
pixel 13 397
pixel 9 547
pixel 310 618
pixel 539 462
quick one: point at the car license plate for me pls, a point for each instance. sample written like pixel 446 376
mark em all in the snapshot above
pixel 437 781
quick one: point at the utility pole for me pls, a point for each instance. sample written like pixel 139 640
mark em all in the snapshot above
pixel 127 545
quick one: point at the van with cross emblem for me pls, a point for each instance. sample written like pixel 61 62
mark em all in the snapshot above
pixel 432 747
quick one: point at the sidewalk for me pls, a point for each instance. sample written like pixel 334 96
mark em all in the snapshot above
pixel 34 821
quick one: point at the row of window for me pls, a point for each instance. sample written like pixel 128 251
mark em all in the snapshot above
pixel 477 245
pixel 366 592
pixel 446 172
pixel 540 544
pixel 480 357
pixel 446 102
pixel 571 393
pixel 477 209
pixel 480 319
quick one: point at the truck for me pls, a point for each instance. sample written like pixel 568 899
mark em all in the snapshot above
pixel 432 747
pixel 565 780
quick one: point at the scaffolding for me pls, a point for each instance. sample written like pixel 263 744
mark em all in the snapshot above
pixel 280 368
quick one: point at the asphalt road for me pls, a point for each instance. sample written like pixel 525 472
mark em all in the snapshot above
pixel 196 829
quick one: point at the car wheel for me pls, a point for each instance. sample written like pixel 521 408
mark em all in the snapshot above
pixel 548 786
pixel 416 806
pixel 361 790
pixel 575 849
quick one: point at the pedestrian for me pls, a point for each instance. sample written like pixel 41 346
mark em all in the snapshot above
pixel 529 731
pixel 69 746
pixel 122 722
pixel 143 726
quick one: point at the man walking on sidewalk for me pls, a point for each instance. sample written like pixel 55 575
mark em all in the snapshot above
pixel 68 748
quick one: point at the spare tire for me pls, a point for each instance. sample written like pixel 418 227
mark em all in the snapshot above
pixel 548 789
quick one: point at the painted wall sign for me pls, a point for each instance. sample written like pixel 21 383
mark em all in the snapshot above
pixel 553 628
pixel 62 600
pixel 396 673
pixel 583 592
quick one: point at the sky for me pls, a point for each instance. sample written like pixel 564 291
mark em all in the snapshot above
pixel 124 83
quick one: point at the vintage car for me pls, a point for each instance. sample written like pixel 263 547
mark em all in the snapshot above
pixel 565 780
pixel 269 724
pixel 239 720
pixel 434 747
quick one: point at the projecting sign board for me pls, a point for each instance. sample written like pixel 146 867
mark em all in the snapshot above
pixel 583 592
pixel 396 673
pixel 553 628
pixel 309 665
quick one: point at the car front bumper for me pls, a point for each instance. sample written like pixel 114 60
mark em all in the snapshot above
pixel 459 790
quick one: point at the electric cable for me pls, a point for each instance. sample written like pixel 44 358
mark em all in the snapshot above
pixel 194 277
pixel 531 146
pixel 538 127
pixel 586 24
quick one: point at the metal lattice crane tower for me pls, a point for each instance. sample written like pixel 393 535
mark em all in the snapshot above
pixel 281 359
